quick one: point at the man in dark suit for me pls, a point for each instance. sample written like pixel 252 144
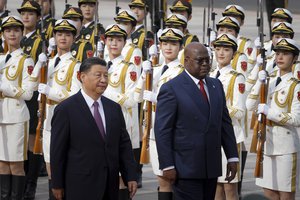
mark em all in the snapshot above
pixel 89 142
pixel 191 125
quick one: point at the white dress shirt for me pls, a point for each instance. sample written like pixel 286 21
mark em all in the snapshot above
pixel 90 103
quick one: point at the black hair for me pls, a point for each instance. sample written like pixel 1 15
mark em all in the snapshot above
pixel 88 63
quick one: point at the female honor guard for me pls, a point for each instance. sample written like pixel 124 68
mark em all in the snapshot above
pixel 231 26
pixel 62 79
pixel 121 84
pixel 81 49
pixel 234 88
pixel 15 70
pixel 170 45
pixel 282 110
pixel 48 19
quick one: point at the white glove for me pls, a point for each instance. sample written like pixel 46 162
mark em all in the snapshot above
pixel 100 46
pixel 213 36
pixel 262 75
pixel 52 45
pixel 159 32
pixel 153 50
pixel 257 43
pixel 263 109
pixel 43 89
pixel 42 58
pixel 147 66
pixel 259 59
pixel 149 96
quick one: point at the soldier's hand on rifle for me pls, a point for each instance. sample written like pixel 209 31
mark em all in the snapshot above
pixel 100 47
pixel 263 109
pixel 42 58
pixel 150 96
pixel 259 60
pixel 146 66
pixel 257 43
pixel 213 36
pixel 52 45
pixel 262 75
pixel 43 89
pixel 153 51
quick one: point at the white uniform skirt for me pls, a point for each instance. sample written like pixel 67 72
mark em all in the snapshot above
pixel 154 158
pixel 280 173
pixel 14 142
pixel 46 145
pixel 237 177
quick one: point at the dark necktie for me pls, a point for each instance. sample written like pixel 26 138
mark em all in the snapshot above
pixel 98 119
pixel 278 81
pixel 109 64
pixel 7 58
pixel 203 90
pixel 164 69
pixel 57 60
pixel 218 74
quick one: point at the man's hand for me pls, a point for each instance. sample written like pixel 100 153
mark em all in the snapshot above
pixel 58 193
pixel 170 175
pixel 132 187
pixel 231 171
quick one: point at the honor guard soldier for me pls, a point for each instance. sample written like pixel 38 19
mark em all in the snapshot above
pixel 282 110
pixel 15 70
pixel 138 36
pixel 170 45
pixel 279 15
pixel 130 52
pixel 184 7
pixel 245 45
pixel 87 32
pixel 279 30
pixel 62 79
pixel 82 48
pixel 233 83
pixel 271 5
pixel 3 13
pixel 122 78
pixel 231 26
pixel 296 70
pixel 179 22
pixel 31 43
pixel 48 19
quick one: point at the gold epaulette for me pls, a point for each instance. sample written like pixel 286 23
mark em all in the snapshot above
pixel 25 54
pixel 128 63
pixel 133 45
pixel 295 80
pixel 74 60
pixel 244 38
pixel 235 73
pixel 273 74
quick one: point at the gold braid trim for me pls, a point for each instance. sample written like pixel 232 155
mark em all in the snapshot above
pixel 289 99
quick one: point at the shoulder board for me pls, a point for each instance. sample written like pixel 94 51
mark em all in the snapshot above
pixel 235 73
pixel 295 80
pixel 26 55
pixel 74 60
pixel 180 66
pixel 244 38
pixel 273 74
pixel 133 45
pixel 128 63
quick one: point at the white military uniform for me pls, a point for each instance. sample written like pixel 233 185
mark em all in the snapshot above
pixel 123 77
pixel 174 69
pixel 14 116
pixel 246 46
pixel 282 146
pixel 270 68
pixel 234 89
pixel 63 83
pixel 131 53
pixel 296 70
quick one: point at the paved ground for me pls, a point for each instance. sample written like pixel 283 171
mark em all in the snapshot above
pixel 106 14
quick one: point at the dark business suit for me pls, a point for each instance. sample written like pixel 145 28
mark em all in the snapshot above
pixel 82 163
pixel 190 132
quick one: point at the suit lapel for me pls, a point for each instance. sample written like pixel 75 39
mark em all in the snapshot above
pixel 88 115
pixel 193 91
pixel 212 93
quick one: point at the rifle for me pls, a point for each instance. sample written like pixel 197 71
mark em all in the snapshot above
pixel 117 7
pixel 203 23
pixel 67 5
pixel 211 16
pixel 261 133
pixel 37 149
pixel 96 31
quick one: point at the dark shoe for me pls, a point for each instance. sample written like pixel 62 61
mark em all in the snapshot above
pixel 51 196
pixel 17 187
pixel 124 194
pixel 30 190
pixel 5 187
pixel 165 196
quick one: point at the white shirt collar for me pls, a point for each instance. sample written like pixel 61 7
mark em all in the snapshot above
pixel 29 34
pixel 225 69
pixel 173 63
pixel 196 81
pixel 138 26
pixel 87 24
pixel 89 100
